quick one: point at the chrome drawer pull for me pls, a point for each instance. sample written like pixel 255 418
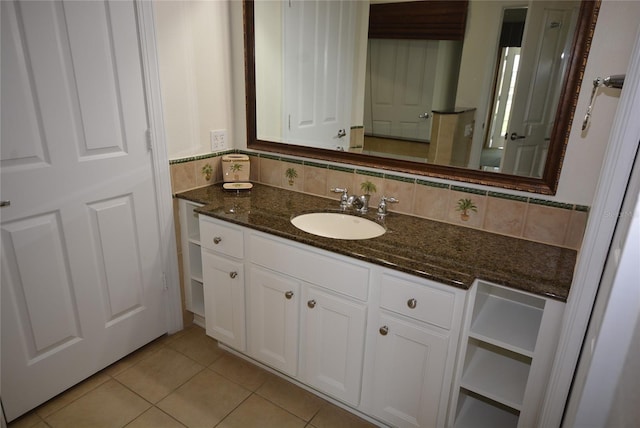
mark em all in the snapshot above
pixel 311 304
pixel 217 240
pixel 288 294
pixel 412 303
pixel 384 330
pixel 233 274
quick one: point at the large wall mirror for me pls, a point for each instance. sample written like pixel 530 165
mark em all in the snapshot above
pixel 477 91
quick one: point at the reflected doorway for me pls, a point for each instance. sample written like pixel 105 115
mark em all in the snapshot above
pixel 508 62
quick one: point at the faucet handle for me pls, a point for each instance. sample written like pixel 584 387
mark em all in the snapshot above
pixel 382 206
pixel 343 198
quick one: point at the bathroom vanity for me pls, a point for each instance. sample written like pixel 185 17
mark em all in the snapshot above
pixel 428 325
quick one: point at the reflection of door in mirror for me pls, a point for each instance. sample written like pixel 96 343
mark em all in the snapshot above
pixel 319 49
pixel 545 49
pixel 405 81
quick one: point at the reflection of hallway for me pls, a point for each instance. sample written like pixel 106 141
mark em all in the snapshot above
pixel 394 148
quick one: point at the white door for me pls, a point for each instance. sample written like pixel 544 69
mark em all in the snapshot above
pixel 543 61
pixel 400 91
pixel 273 319
pixel 408 373
pixel 319 43
pixel 223 282
pixel 333 344
pixel 82 281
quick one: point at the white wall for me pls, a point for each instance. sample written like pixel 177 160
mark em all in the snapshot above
pixel 194 56
pixel 609 54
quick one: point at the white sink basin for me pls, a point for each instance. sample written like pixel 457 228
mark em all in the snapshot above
pixel 338 225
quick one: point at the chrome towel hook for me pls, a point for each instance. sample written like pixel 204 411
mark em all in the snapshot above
pixel 613 81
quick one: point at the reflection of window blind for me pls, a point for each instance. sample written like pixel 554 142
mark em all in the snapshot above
pixel 427 20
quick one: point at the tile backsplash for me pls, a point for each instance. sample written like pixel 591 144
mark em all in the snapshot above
pixel 518 216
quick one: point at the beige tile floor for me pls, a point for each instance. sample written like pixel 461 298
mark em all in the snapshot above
pixel 185 380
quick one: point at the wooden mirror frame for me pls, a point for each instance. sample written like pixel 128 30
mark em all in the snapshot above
pixel 548 184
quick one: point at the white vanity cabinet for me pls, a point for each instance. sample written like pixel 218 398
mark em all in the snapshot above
pixel 404 350
pixel 417 328
pixel 223 275
pixel 332 343
pixel 307 306
pixel 273 302
pixel 191 259
pixel 505 357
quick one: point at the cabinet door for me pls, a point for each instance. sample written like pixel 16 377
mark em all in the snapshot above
pixel 224 299
pixel 409 367
pixel 273 319
pixel 333 344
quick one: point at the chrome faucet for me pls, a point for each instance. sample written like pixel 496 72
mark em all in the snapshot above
pixel 382 206
pixel 344 198
pixel 358 203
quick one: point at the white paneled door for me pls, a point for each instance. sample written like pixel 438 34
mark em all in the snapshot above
pixel 82 281
pixel 318 72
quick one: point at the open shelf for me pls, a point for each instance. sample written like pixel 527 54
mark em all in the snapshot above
pixel 496 373
pixel 197 297
pixel 507 319
pixel 192 222
pixel 475 412
pixel 195 261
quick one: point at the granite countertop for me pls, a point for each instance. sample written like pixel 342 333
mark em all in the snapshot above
pixel 442 252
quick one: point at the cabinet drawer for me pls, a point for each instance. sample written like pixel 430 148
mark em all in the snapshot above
pixel 417 300
pixel 221 238
pixel 310 266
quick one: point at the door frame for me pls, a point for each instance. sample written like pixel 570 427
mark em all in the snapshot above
pixel 603 217
pixel 160 159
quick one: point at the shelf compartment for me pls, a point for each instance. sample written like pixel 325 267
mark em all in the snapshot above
pixel 507 318
pixel 197 297
pixel 192 222
pixel 475 411
pixel 496 373
pixel 195 261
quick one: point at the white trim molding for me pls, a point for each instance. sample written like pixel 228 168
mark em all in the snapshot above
pixel 161 171
pixel 603 217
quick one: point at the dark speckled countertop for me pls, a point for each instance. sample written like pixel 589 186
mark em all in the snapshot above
pixel 442 252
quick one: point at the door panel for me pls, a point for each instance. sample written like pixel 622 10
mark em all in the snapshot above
pixel 544 59
pixel 401 74
pixel 82 282
pixel 274 319
pixel 317 111
pixel 409 371
pixel 333 344
pixel 223 282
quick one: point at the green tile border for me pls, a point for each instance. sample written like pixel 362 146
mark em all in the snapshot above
pixel 316 164
pixel 508 197
pixel 399 178
pixel 272 157
pixel 469 190
pixel 198 157
pixel 432 184
pixel 552 204
pixel 369 173
pixel 290 160
pixel 582 208
pixel 341 169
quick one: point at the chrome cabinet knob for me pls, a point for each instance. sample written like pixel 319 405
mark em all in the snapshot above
pixel 384 330
pixel 288 294
pixel 233 274
pixel 412 303
pixel 311 304
pixel 217 240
